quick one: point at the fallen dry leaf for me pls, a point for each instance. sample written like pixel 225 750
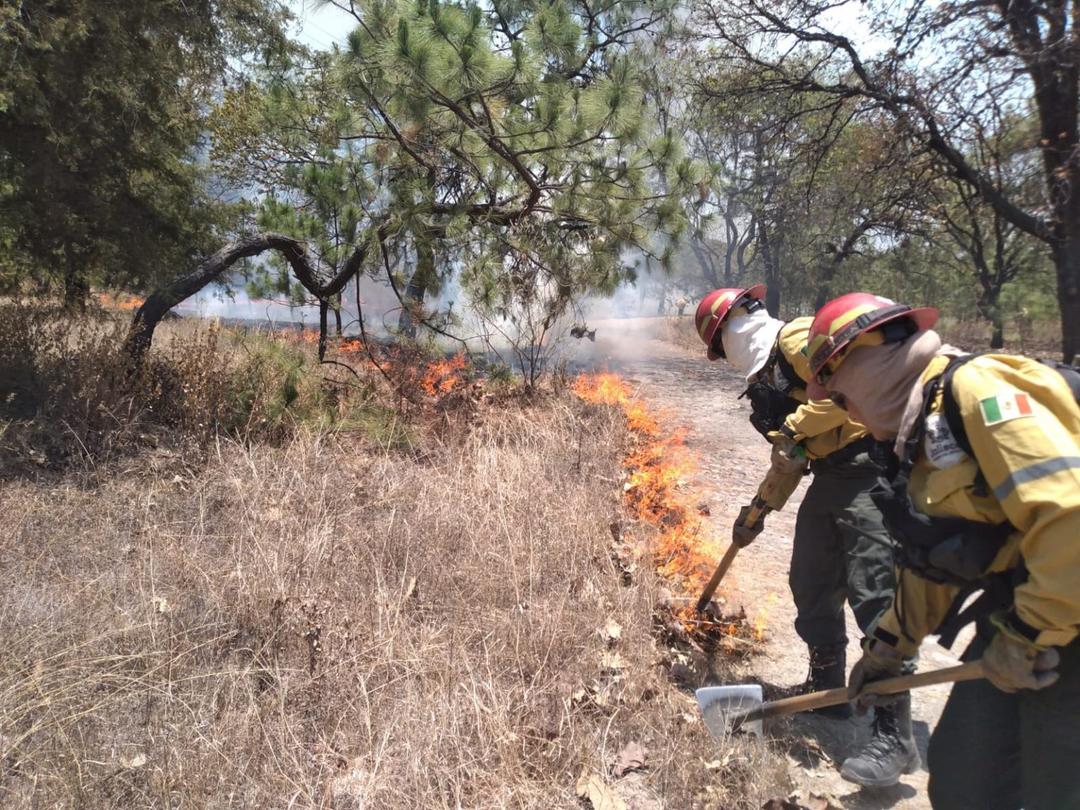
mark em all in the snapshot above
pixel 630 758
pixel 613 630
pixel 136 760
pixel 592 788
pixel 612 662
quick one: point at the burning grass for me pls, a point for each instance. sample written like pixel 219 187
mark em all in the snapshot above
pixel 121 302
pixel 67 395
pixel 406 367
pixel 313 613
pixel 658 466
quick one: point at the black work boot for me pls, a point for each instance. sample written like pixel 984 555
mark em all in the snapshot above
pixel 890 752
pixel 828 670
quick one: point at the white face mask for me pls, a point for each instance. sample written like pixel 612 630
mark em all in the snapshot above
pixel 749 339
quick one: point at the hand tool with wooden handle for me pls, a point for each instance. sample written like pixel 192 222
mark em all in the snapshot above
pixel 779 483
pixel 726 708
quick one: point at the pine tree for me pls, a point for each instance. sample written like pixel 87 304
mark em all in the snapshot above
pixel 511 145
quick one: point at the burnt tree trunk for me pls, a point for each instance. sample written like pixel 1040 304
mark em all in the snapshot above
pixel 1049 55
pixel 839 256
pixel 989 306
pixel 997 334
pixel 708 267
pixel 1067 264
pixel 770 255
pixel 76 288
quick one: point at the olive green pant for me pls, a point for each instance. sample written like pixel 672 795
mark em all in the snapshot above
pixel 996 751
pixel 841 552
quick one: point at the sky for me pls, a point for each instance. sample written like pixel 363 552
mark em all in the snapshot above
pixel 321 28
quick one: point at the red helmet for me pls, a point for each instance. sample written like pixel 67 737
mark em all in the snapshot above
pixel 841 321
pixel 715 306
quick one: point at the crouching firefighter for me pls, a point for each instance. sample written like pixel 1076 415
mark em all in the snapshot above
pixel 985 498
pixel 841 549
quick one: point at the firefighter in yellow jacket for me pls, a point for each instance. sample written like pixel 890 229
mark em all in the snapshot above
pixel 985 498
pixel 841 550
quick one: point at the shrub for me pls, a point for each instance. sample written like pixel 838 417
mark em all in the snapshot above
pixel 67 391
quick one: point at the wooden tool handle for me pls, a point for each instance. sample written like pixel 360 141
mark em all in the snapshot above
pixel 714 580
pixel 973 670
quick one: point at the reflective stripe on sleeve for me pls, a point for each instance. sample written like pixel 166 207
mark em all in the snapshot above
pixel 1034 472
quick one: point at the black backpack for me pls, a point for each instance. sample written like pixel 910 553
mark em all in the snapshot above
pixel 772 403
pixel 952 550
pixel 942 549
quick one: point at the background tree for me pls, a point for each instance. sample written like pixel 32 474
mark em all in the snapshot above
pixel 935 69
pixel 101 110
pixel 800 189
pixel 469 143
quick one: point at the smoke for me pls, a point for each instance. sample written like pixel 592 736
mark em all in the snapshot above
pixel 628 328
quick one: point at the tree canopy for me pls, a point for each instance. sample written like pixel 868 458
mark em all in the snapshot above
pixel 102 109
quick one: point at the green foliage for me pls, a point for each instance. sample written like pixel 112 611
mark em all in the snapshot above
pixel 819 198
pixel 509 147
pixel 101 109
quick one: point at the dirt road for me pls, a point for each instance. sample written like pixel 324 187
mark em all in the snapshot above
pixel 703 397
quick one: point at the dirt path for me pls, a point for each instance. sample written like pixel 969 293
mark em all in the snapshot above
pixel 703 397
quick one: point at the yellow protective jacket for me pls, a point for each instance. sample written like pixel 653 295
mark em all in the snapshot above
pixel 819 426
pixel 1023 426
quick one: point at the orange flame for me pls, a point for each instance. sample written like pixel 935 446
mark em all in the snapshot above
pixel 293 335
pixel 444 376
pixel 761 619
pixel 436 379
pixel 352 346
pixel 659 466
pixel 123 302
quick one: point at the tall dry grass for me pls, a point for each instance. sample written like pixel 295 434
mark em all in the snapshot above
pixel 294 607
pixel 329 624
pixel 68 395
pixel 680 331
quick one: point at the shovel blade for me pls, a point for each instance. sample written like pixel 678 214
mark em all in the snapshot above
pixel 723 706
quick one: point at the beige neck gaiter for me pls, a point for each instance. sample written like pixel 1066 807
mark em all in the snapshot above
pixel 877 381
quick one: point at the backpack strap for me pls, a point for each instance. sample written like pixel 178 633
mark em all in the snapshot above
pixel 788 378
pixel 787 371
pixel 949 405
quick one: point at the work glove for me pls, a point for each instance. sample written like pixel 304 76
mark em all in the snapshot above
pixel 787 457
pixel 785 441
pixel 1011 662
pixel 879 661
pixel 743 535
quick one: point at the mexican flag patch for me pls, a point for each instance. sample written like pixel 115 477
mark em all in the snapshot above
pixel 1004 407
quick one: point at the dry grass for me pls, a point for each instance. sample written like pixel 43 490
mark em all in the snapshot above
pixel 329 625
pixel 68 397
pixel 1036 339
pixel 681 332
pixel 328 619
